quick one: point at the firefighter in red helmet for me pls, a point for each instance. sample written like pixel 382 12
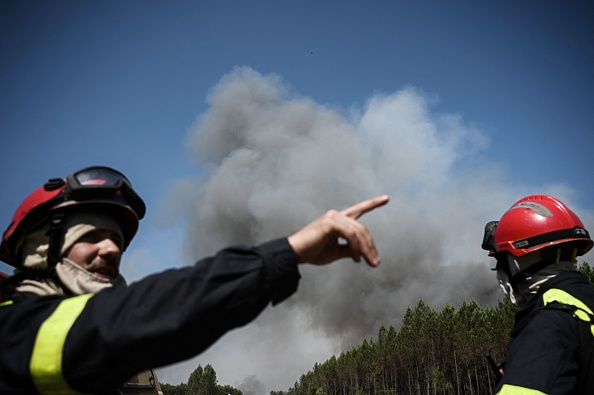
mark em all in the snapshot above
pixel 71 325
pixel 49 222
pixel 535 244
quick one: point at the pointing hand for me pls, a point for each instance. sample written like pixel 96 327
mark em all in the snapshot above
pixel 320 242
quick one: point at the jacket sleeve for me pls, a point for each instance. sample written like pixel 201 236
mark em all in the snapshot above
pixel 543 358
pixel 174 315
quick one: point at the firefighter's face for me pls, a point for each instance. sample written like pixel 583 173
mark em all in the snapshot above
pixel 98 252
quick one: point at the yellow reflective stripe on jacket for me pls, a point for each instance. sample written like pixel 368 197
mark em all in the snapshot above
pixel 7 303
pixel 508 389
pixel 557 295
pixel 46 359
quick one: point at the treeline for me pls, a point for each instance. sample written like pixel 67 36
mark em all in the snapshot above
pixel 433 353
pixel 202 381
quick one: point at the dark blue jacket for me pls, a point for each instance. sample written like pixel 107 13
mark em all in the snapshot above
pixel 92 343
pixel 544 352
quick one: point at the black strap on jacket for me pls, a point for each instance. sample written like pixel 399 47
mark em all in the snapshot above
pixel 585 383
pixel 56 239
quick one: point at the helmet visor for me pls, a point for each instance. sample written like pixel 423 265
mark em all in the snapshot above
pixel 104 176
pixel 102 181
pixel 488 243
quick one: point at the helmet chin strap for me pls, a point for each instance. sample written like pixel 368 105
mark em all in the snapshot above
pixel 56 239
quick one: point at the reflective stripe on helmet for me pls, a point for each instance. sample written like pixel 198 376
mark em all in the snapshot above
pixel 46 359
pixel 582 311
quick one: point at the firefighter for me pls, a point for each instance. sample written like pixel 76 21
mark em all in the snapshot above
pixel 535 244
pixel 73 326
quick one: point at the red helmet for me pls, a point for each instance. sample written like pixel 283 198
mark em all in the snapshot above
pixel 102 188
pixel 536 222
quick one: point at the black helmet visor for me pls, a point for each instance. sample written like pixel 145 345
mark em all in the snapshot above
pixel 102 181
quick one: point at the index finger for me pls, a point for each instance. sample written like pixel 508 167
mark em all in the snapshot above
pixel 361 208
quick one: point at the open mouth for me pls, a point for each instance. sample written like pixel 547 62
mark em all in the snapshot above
pixel 105 272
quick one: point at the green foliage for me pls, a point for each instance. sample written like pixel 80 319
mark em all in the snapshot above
pixel 442 384
pixel 202 381
pixel 434 353
pixel 587 271
pixel 168 389
pixel 227 389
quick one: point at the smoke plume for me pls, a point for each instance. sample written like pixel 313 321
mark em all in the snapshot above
pixel 272 161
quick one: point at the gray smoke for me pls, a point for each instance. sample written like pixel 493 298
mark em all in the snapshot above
pixel 252 386
pixel 272 161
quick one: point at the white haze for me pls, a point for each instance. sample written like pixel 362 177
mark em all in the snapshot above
pixel 271 161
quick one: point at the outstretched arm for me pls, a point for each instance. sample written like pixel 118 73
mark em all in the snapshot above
pixel 319 242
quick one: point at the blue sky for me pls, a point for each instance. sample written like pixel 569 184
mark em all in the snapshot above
pixel 141 86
